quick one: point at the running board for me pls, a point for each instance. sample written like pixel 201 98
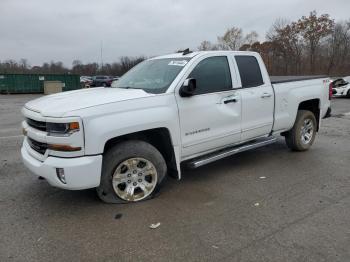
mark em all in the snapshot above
pixel 206 159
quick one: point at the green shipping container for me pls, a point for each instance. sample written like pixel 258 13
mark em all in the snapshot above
pixel 34 83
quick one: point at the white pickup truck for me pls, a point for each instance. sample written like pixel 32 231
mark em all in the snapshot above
pixel 187 108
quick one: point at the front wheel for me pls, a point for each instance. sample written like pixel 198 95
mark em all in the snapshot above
pixel 303 133
pixel 132 171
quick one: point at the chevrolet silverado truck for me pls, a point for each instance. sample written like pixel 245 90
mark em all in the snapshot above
pixel 183 109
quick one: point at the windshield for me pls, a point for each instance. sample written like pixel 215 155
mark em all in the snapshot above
pixel 153 76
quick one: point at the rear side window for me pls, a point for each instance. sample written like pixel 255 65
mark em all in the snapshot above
pixel 212 75
pixel 249 70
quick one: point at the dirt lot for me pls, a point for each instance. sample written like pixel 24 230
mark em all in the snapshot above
pixel 225 211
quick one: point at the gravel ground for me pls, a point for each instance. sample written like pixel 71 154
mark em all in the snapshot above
pixel 269 204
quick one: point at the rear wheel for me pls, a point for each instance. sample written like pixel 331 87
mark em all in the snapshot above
pixel 348 94
pixel 132 171
pixel 303 133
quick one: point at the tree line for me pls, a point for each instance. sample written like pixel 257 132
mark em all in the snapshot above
pixel 89 69
pixel 313 44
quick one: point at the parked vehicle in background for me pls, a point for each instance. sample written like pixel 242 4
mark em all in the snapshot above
pixel 184 108
pixel 104 81
pixel 87 77
pixel 86 81
pixel 341 87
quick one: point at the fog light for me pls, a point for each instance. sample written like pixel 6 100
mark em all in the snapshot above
pixel 60 175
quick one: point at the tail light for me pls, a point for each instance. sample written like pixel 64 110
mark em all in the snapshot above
pixel 330 91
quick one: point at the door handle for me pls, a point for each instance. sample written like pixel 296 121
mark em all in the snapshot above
pixel 228 99
pixel 264 95
pixel 231 100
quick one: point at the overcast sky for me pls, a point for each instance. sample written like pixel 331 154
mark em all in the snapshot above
pixel 64 30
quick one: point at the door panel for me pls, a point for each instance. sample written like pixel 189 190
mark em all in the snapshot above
pixel 257 97
pixel 209 121
pixel 257 111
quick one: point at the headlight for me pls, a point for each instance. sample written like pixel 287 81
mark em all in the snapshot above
pixel 55 129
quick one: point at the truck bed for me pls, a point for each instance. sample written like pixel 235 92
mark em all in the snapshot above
pixel 291 91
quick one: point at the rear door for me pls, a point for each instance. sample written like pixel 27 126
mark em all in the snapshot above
pixel 257 97
pixel 211 118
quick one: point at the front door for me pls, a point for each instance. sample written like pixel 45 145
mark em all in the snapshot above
pixel 211 118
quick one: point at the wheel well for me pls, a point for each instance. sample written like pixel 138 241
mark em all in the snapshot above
pixel 159 137
pixel 313 106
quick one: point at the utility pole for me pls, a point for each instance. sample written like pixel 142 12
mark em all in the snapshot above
pixel 101 54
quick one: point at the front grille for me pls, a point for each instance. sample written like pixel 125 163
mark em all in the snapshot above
pixel 37 146
pixel 36 124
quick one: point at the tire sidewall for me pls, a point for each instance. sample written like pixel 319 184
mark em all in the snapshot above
pixel 121 152
pixel 302 116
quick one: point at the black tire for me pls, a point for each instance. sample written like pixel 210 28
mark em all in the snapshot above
pixel 294 138
pixel 122 152
pixel 348 94
pixel 104 85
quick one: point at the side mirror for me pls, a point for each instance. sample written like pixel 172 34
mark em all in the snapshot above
pixel 188 88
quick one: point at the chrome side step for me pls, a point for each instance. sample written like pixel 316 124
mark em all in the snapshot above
pixel 206 159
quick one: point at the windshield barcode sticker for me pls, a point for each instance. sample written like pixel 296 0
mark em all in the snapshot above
pixel 178 62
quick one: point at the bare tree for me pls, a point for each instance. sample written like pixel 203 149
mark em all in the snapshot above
pixel 251 38
pixel 277 25
pixel 24 65
pixel 231 40
pixel 338 46
pixel 288 44
pixel 207 45
pixel 127 63
pixel 76 62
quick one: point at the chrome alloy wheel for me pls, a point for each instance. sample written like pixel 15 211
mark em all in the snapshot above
pixel 307 131
pixel 134 179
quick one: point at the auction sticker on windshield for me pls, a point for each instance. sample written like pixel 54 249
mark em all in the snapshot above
pixel 178 62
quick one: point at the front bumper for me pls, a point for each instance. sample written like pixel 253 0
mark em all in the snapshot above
pixel 80 172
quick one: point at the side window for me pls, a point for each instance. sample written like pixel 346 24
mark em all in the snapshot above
pixel 249 70
pixel 212 75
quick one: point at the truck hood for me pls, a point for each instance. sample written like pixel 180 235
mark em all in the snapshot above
pixel 58 105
